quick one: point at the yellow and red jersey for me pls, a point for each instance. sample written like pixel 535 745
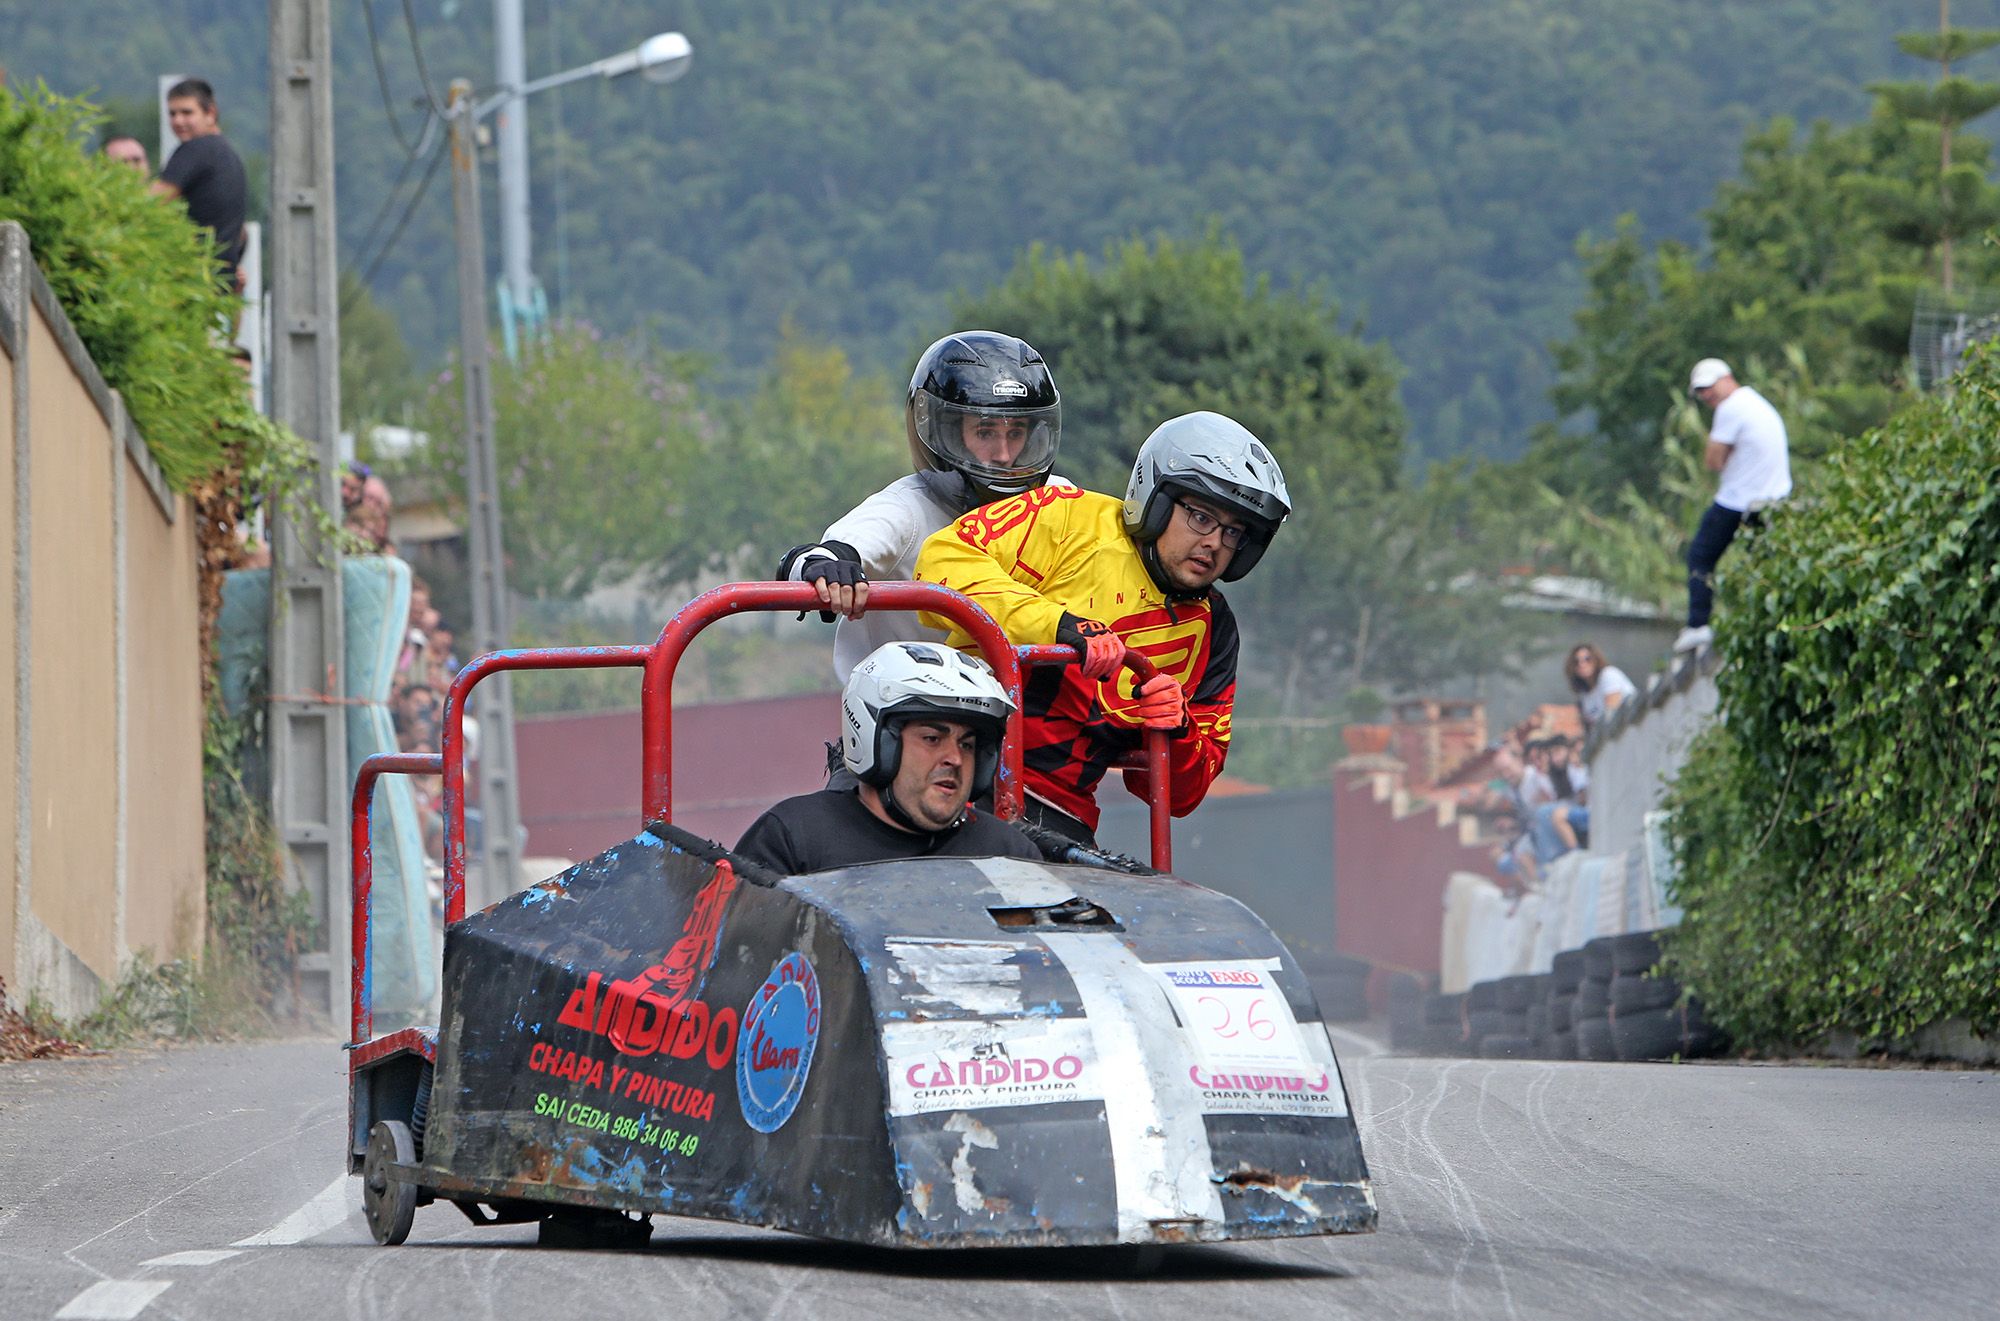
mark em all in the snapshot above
pixel 1029 559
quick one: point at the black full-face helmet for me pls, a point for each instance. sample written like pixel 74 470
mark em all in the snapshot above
pixel 970 376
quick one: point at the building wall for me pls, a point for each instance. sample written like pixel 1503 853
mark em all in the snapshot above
pixel 1393 856
pixel 101 831
pixel 10 769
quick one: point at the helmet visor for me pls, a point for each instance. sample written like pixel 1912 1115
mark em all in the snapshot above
pixel 1003 450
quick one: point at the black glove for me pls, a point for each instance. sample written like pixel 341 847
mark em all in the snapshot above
pixel 841 573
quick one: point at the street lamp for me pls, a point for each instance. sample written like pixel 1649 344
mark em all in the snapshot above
pixel 660 59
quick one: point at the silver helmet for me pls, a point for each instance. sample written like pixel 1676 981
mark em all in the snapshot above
pixel 1210 456
pixel 906 680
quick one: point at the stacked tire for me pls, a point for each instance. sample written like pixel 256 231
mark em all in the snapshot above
pixel 1563 979
pixel 1516 997
pixel 1590 1010
pixel 1343 990
pixel 1443 1025
pixel 1650 1018
pixel 1407 993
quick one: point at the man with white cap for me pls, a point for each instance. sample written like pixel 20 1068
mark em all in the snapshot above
pixel 1746 444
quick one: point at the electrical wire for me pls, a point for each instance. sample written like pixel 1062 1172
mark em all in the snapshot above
pixel 423 67
pixel 382 82
pixel 403 221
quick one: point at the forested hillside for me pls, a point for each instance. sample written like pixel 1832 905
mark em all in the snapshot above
pixel 849 167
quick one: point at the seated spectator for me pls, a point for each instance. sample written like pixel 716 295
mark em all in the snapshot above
pixel 1599 688
pixel 1562 823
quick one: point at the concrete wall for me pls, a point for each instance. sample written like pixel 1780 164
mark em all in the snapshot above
pixel 1636 753
pixel 100 803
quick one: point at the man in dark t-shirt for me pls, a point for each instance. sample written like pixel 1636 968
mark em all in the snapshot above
pixel 921 725
pixel 206 173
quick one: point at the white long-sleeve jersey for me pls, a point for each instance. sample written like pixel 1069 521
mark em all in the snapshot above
pixel 887 530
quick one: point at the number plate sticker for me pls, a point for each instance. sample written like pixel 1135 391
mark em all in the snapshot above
pixel 1249 1055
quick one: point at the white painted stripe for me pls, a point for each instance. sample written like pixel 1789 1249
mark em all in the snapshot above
pixel 199 1257
pixel 1160 1158
pixel 113 1300
pixel 1023 884
pixel 331 1205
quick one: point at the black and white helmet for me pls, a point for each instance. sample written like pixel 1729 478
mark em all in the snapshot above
pixel 908 680
pixel 981 373
pixel 1215 459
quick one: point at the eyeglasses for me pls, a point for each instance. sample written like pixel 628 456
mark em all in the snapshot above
pixel 1201 523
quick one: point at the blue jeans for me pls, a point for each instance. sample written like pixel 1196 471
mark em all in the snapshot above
pixel 1542 834
pixel 1717 530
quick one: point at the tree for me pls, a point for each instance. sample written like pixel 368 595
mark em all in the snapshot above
pixel 1799 262
pixel 1368 578
pixel 605 462
pixel 378 378
pixel 1962 201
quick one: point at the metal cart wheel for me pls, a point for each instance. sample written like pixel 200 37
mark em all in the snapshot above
pixel 388 1199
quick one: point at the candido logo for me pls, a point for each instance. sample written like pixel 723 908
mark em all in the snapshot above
pixel 774 1051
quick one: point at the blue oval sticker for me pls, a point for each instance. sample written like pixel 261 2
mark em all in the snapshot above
pixel 774 1049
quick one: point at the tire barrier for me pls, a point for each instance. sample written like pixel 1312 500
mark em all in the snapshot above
pixel 1605 1001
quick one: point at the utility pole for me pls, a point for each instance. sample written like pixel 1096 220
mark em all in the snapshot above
pixel 493 702
pixel 518 309
pixel 307 730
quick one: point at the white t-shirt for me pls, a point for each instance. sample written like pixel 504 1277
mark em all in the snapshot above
pixel 888 529
pixel 1759 469
pixel 1596 702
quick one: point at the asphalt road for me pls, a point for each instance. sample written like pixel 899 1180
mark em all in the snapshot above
pixel 204 1182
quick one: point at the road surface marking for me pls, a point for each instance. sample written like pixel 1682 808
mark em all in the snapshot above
pixel 113 1300
pixel 199 1257
pixel 331 1205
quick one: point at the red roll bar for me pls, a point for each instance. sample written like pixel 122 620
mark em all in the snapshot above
pixel 659 661
pixel 1153 760
pixel 732 598
pixel 361 1016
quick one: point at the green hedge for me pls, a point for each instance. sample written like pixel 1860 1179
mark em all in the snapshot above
pixel 136 276
pixel 1836 828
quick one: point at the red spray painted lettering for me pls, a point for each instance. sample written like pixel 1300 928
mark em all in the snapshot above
pixel 659 1093
pixel 1258 1082
pixel 657 1009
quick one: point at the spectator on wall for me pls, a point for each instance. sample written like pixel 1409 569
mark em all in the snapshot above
pixel 127 150
pixel 1747 445
pixel 206 173
pixel 1600 687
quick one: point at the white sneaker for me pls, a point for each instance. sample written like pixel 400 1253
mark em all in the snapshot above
pixel 1694 639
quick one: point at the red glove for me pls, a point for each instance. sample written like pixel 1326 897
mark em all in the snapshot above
pixel 1102 652
pixel 1162 705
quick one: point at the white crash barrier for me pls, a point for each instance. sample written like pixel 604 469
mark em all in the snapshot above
pixel 1582 896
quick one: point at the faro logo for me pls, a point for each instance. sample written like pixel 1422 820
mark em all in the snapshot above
pixel 774 1050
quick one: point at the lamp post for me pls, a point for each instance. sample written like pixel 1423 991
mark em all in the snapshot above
pixel 660 59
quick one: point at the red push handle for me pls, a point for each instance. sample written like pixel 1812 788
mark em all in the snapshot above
pixel 1159 787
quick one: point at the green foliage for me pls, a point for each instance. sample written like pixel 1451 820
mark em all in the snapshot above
pixel 602 458
pixel 378 377
pixel 1431 161
pixel 1835 829
pixel 1368 578
pixel 136 277
pixel 1799 266
pixel 257 923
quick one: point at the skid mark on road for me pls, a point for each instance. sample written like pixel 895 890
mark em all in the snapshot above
pixel 193 1183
